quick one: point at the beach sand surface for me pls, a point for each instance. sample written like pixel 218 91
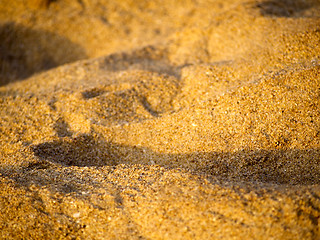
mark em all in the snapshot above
pixel 160 119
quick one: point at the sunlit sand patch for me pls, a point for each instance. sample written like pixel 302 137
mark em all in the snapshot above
pixel 186 121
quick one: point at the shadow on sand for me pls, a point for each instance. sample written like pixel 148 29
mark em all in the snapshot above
pixel 269 166
pixel 25 51
pixel 284 8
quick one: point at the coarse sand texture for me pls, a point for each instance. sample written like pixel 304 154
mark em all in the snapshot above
pixel 192 119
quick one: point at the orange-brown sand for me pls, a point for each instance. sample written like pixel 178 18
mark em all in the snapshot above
pixel 160 119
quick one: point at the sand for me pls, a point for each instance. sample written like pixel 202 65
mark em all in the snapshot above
pixel 160 119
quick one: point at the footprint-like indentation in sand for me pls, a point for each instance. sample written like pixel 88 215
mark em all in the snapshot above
pixel 142 95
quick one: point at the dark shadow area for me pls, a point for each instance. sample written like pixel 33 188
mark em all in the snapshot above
pixel 267 166
pixel 82 151
pixel 148 58
pixel 25 51
pixel 284 8
pixel 92 93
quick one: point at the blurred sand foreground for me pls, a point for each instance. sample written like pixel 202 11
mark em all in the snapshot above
pixel 191 119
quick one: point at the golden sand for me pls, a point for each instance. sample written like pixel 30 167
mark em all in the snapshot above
pixel 160 119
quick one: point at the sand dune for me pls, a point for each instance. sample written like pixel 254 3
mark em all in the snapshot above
pixel 160 120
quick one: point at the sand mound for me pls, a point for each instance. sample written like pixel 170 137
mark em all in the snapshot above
pixel 187 120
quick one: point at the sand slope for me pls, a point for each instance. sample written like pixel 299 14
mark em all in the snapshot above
pixel 183 120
